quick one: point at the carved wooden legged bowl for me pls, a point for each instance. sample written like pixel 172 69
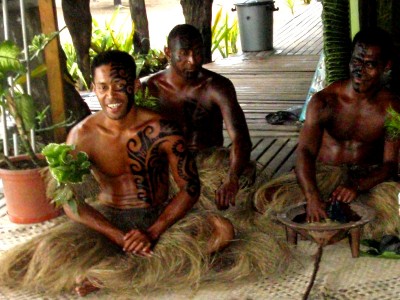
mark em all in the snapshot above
pixel 293 217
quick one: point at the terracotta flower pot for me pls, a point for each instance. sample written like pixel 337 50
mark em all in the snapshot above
pixel 25 195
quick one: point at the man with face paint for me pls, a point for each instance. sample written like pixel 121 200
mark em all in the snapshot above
pixel 201 101
pixel 344 152
pixel 132 151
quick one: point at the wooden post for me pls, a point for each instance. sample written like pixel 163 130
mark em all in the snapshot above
pixel 48 19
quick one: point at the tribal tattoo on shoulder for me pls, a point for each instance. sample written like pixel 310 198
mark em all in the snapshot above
pixel 187 168
pixel 149 164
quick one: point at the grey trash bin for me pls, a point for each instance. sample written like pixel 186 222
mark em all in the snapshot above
pixel 256 24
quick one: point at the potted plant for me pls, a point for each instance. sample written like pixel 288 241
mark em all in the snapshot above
pixel 23 186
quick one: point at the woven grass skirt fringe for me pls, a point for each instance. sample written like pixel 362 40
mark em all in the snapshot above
pixel 213 166
pixel 281 192
pixel 52 262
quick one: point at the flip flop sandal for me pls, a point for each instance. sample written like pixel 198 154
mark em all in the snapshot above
pixel 280 117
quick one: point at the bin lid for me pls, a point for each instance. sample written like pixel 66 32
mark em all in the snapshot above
pixel 255 2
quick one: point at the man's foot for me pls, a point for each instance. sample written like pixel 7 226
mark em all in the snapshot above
pixel 84 287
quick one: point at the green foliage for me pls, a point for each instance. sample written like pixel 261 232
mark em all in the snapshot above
pixel 39 42
pixel 67 170
pixel 110 36
pixel 72 65
pixel 26 107
pixel 149 63
pixel 64 167
pixel 13 98
pixel 19 104
pixel 224 34
pixel 10 62
pixel 290 4
pixel 144 99
pixel 392 124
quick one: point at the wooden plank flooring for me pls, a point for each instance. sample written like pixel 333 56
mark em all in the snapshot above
pixel 302 35
pixel 269 81
pixel 269 84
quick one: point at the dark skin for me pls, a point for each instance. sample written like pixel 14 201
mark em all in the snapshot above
pixel 131 151
pixel 201 100
pixel 132 138
pixel 345 126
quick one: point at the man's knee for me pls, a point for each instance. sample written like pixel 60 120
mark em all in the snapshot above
pixel 223 232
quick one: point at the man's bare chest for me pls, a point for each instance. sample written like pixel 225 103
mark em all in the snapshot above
pixel 356 126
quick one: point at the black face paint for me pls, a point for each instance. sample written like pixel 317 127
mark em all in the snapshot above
pixel 126 82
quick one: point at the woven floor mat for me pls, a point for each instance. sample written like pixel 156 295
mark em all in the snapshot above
pixel 342 277
pixel 13 234
pixel 339 277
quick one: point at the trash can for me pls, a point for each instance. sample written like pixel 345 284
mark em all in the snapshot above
pixel 256 24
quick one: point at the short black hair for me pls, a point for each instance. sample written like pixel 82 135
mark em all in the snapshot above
pixel 184 31
pixel 375 36
pixel 115 57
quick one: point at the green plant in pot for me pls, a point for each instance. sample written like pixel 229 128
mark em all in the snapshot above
pixel 20 107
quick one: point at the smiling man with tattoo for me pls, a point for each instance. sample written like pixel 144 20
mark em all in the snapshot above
pixel 132 151
pixel 345 153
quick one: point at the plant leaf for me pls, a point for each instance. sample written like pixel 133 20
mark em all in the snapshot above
pixel 26 109
pixel 9 58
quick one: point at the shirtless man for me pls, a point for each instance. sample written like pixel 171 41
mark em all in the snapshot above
pixel 345 125
pixel 201 100
pixel 132 151
pixel 344 134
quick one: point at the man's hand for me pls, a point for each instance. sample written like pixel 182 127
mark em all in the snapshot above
pixel 138 242
pixel 344 194
pixel 316 211
pixel 226 194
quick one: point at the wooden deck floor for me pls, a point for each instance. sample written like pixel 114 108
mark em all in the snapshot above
pixel 302 35
pixel 269 81
pixel 266 85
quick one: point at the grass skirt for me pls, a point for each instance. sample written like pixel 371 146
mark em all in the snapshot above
pixel 275 195
pixel 51 262
pixel 213 166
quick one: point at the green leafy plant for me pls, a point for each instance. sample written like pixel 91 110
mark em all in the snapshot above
pixel 14 99
pixel 290 4
pixel 110 36
pixel 224 34
pixel 72 65
pixel 19 104
pixel 149 63
pixel 392 124
pixel 144 99
pixel 67 170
